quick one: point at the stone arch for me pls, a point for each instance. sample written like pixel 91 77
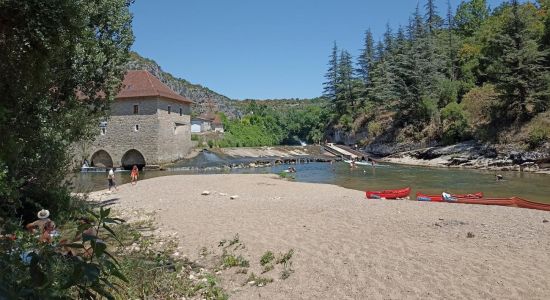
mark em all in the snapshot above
pixel 101 159
pixel 132 157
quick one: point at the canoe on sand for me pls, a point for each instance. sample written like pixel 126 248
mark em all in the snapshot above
pixel 439 198
pixel 530 204
pixel 389 194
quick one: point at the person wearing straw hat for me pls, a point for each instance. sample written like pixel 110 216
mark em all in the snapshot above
pixel 42 223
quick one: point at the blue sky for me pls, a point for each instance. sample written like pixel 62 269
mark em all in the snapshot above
pixel 258 48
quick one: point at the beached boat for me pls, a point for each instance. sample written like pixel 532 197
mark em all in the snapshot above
pixel 487 201
pixel 530 204
pixel 389 194
pixel 439 198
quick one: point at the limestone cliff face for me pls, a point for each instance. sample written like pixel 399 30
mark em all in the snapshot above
pixel 205 99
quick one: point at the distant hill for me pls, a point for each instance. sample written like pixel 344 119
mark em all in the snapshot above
pixel 282 104
pixel 205 99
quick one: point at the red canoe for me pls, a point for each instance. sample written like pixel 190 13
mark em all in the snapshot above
pixel 389 194
pixel 439 198
pixel 530 204
pixel 489 201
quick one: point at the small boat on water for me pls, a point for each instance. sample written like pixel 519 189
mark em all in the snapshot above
pixel 519 202
pixel 439 198
pixel 389 194
pixel 365 163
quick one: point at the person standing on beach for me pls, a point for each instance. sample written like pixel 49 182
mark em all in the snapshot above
pixel 111 179
pixel 134 175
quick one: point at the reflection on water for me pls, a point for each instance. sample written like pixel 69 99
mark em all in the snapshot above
pixel 534 187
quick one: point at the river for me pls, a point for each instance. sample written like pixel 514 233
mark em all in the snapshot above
pixel 535 187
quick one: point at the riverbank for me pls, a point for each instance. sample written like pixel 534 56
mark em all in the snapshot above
pixel 348 247
pixel 472 155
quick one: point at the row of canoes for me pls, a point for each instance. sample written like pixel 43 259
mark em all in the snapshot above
pixel 474 198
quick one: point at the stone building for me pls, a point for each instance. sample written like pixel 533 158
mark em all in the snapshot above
pixel 149 125
pixel 200 124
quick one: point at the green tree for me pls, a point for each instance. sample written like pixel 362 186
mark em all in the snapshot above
pixel 470 15
pixel 433 20
pixel 347 87
pixel 451 43
pixel 48 51
pixel 366 58
pixel 331 76
pixel 515 63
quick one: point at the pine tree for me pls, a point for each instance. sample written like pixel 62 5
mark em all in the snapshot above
pixel 366 58
pixel 517 66
pixel 345 92
pixel 451 42
pixel 433 20
pixel 388 39
pixel 331 76
pixel 416 25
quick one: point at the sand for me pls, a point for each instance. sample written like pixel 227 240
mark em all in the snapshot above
pixel 347 247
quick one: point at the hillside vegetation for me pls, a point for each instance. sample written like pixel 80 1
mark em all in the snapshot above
pixel 474 73
pixel 275 122
pixel 205 99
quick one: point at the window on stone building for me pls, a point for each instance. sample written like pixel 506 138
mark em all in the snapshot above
pixel 136 127
pixel 103 127
pixel 169 109
pixel 136 109
pixel 181 111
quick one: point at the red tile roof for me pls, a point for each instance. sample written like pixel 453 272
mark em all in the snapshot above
pixel 141 83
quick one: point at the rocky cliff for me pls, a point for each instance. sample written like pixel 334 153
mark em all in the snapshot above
pixel 205 99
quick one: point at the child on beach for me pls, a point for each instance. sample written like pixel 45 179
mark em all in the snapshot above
pixel 134 175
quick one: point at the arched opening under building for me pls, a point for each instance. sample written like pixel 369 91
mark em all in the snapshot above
pixel 131 158
pixel 101 159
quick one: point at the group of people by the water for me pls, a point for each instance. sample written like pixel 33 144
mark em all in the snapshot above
pixel 134 175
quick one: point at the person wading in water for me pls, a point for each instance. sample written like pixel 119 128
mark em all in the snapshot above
pixel 134 175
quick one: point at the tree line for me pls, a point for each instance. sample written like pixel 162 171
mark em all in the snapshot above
pixel 275 122
pixel 472 73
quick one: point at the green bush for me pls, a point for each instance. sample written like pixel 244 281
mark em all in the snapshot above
pixel 447 92
pixel 539 131
pixel 374 128
pixel 455 123
pixel 194 137
pixel 62 270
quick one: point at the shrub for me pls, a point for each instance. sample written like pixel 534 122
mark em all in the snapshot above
pixel 194 137
pixel 479 104
pixel 374 128
pixel 538 131
pixel 62 270
pixel 455 124
pixel 267 258
pixel 258 281
pixel 447 91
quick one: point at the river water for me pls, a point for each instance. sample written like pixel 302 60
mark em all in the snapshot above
pixel 535 187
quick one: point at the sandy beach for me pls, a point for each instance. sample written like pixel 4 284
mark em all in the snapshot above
pixel 347 247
